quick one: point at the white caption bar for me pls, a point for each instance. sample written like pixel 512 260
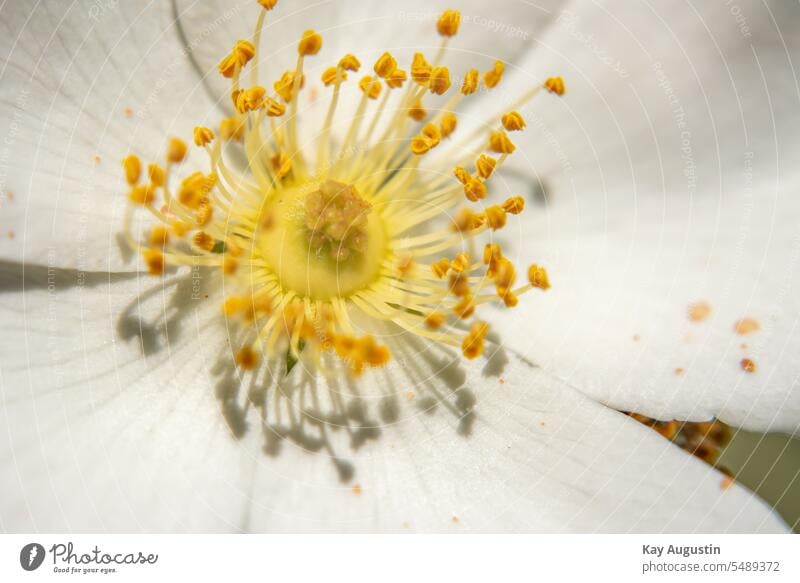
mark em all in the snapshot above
pixel 398 558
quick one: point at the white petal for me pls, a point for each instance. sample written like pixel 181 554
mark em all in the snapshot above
pixel 97 438
pixel 70 72
pixel 663 190
pixel 662 99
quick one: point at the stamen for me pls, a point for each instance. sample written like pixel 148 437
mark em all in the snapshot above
pixel 366 235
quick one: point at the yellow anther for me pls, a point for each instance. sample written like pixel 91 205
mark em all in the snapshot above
pixel 493 77
pixel 250 99
pixel 505 275
pixel 203 136
pixel 273 108
pixel 156 174
pixel 472 346
pixel 441 267
pixel 485 166
pixel 241 54
pixel 448 23
pixel 195 188
pixel 236 95
pixel 435 320
pixel 179 229
pixel 310 43
pixel 421 144
pixel 417 112
pixel 538 277
pixel 133 169
pixel 370 86
pixel 232 248
pixel 281 164
pixel 440 80
pixel 159 236
pixel 258 304
pixel 154 260
pixel 203 240
pixel 555 85
pixel 374 354
pixel 176 150
pixel 233 305
pixel 495 217
pixel 232 128
pixel 350 63
pixel 448 124
pixel 246 358
pixel 461 174
pixel 405 265
pixel 229 265
pixel 396 79
pixel 510 299
pixel 285 85
pixel 329 75
pixel 432 131
pixel 466 220
pixel 492 254
pixel 142 194
pixel 204 213
pixel 514 205
pixel 470 84
pixel 461 263
pixel 344 345
pixel 385 65
pixel 500 143
pixel 474 189
pixel 513 121
pixel 420 69
pixel 465 308
pixel 268 4
pixel 459 285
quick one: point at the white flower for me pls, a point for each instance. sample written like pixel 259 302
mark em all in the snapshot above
pixel 669 185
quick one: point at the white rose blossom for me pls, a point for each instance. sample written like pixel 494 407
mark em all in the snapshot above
pixel 325 339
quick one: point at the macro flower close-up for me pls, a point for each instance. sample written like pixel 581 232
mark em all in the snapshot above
pixel 294 266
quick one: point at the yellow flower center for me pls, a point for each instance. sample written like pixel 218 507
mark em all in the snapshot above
pixel 322 240
pixel 328 250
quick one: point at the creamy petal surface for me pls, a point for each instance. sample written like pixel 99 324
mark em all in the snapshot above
pixel 99 438
pixel 83 84
pixel 670 178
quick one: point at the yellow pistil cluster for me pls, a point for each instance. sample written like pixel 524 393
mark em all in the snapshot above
pixel 325 252
pixel 336 218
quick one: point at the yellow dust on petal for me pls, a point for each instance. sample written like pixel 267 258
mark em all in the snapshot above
pixel 748 365
pixel 699 311
pixel 746 326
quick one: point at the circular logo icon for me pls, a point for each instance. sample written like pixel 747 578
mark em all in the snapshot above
pixel 31 556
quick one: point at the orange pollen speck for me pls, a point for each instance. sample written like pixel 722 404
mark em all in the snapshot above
pixel 699 311
pixel 748 365
pixel 746 326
